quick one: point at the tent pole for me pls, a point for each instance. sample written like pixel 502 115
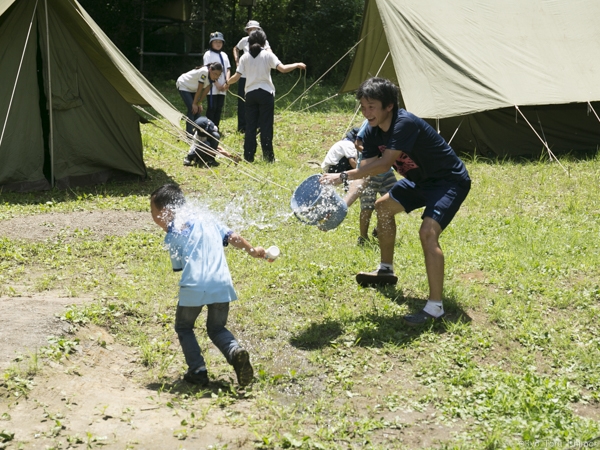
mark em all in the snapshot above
pixel 51 137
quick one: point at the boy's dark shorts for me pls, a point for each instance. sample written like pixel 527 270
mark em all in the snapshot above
pixel 441 199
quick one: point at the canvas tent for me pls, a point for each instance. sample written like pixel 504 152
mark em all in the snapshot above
pixel 467 65
pixel 66 99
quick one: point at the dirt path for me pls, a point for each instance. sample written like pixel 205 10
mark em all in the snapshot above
pixel 98 396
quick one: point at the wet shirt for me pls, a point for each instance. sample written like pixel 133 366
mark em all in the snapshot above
pixel 196 249
pixel 426 157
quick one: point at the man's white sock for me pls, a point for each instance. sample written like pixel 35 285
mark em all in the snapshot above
pixel 200 369
pixel 434 307
pixel 384 266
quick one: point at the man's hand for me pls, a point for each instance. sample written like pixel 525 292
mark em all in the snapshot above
pixel 330 178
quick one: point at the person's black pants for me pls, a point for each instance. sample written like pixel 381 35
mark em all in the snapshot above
pixel 188 100
pixel 241 126
pixel 260 113
pixel 215 108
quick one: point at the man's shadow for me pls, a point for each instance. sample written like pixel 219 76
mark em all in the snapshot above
pixel 376 330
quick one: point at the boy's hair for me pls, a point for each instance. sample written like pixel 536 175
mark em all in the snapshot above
pixel 380 89
pixel 257 40
pixel 168 195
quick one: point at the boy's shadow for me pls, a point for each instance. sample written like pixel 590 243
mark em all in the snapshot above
pixel 375 330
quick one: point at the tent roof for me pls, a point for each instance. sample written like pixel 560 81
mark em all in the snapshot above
pixel 113 65
pixel 466 56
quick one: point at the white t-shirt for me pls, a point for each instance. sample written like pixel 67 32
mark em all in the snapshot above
pixel 257 71
pixel 189 80
pixel 339 150
pixel 244 46
pixel 213 57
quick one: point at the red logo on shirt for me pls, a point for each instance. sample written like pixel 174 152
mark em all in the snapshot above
pixel 403 163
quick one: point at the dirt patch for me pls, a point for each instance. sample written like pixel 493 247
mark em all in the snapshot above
pixel 27 322
pixel 99 396
pixel 96 398
pixel 94 225
pixel 30 318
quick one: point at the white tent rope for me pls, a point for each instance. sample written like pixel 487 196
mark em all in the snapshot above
pixel 12 95
pixel 318 103
pixel 593 110
pixel 326 72
pixel 550 153
pixel 254 175
pixel 456 131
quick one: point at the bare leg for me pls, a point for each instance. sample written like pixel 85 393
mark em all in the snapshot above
pixel 434 257
pixel 356 187
pixel 364 221
pixel 387 208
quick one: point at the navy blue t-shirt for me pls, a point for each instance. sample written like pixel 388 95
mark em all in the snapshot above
pixel 426 157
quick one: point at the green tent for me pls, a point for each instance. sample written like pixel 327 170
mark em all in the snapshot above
pixel 501 78
pixel 66 97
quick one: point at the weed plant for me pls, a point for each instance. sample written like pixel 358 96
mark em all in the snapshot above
pixel 515 365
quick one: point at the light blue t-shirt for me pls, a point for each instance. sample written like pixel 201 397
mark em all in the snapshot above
pixel 196 249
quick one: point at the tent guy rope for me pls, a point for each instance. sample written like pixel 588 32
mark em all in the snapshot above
pixel 12 95
pixel 550 153
pixel 179 134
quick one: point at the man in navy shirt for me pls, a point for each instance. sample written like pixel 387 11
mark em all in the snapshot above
pixel 433 177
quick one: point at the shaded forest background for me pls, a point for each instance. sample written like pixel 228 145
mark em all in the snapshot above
pixel 316 32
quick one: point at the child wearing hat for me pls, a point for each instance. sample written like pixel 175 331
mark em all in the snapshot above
pixel 216 95
pixel 241 48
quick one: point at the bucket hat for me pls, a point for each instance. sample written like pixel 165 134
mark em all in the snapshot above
pixel 216 36
pixel 252 24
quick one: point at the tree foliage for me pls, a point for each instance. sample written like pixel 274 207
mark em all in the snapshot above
pixel 316 32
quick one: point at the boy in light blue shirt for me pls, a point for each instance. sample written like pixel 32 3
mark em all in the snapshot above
pixel 195 243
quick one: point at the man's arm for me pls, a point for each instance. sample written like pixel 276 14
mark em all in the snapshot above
pixel 368 167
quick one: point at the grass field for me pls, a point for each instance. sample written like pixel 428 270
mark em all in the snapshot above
pixel 515 365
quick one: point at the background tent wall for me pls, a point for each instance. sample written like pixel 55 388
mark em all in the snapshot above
pixel 474 61
pixel 96 133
